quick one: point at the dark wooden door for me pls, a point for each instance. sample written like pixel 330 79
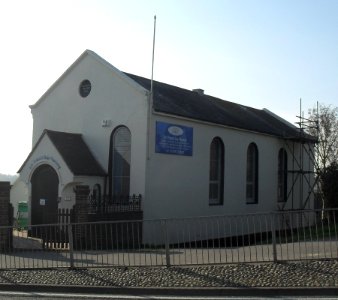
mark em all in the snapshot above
pixel 45 182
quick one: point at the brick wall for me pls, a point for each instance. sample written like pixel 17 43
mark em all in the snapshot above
pixel 81 215
pixel 6 217
pixel 81 203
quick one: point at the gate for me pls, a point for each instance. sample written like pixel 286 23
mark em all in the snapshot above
pixel 54 236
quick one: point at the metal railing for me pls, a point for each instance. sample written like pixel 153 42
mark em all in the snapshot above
pixel 269 237
pixel 116 203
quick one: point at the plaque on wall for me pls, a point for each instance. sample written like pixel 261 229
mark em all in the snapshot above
pixel 173 139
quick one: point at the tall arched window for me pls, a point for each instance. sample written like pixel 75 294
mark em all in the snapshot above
pixel 282 175
pixel 96 197
pixel 119 162
pixel 252 174
pixel 216 175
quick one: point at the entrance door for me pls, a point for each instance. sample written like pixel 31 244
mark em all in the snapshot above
pixel 45 184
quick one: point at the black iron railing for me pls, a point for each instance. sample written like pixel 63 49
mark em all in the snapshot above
pixel 117 203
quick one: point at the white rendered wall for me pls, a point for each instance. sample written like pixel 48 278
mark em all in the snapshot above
pixel 178 186
pixel 111 98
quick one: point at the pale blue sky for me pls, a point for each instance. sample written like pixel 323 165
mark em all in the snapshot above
pixel 264 54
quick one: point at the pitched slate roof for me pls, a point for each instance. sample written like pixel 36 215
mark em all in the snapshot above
pixel 74 152
pixel 191 104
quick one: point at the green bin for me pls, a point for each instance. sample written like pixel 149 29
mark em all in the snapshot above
pixel 22 216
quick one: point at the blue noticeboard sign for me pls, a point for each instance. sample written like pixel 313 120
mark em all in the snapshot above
pixel 173 139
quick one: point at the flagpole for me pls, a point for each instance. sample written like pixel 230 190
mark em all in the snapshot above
pixel 150 109
pixel 152 63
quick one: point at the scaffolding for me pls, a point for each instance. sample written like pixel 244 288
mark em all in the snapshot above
pixel 304 167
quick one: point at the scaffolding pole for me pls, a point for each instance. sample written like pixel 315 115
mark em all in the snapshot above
pixel 302 174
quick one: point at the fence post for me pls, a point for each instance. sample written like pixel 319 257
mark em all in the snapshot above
pixel 71 245
pixel 166 242
pixel 81 214
pixel 274 241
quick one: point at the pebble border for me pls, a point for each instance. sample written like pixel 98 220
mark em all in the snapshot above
pixel 289 274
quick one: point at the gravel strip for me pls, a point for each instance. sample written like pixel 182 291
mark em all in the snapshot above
pixel 291 274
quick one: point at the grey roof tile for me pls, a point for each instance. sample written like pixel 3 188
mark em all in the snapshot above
pixel 190 104
pixel 75 153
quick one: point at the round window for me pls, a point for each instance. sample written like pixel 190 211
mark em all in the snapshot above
pixel 85 88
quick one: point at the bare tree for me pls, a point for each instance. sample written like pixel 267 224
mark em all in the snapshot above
pixel 326 131
pixel 325 121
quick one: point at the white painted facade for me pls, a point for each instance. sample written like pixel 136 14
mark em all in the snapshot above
pixel 114 97
pixel 181 183
pixel 172 186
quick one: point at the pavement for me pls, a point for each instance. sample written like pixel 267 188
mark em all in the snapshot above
pixel 297 278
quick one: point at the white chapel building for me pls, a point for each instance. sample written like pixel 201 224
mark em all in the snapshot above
pixel 186 153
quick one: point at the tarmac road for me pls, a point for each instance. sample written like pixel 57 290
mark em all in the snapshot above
pixel 59 296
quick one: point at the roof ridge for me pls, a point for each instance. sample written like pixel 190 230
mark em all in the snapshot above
pixel 178 101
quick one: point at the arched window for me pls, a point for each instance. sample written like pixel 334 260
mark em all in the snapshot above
pixel 216 175
pixel 282 175
pixel 252 174
pixel 119 162
pixel 97 194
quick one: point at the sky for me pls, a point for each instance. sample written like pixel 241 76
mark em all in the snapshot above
pixel 259 53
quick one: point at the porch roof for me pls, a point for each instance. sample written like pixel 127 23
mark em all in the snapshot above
pixel 74 151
